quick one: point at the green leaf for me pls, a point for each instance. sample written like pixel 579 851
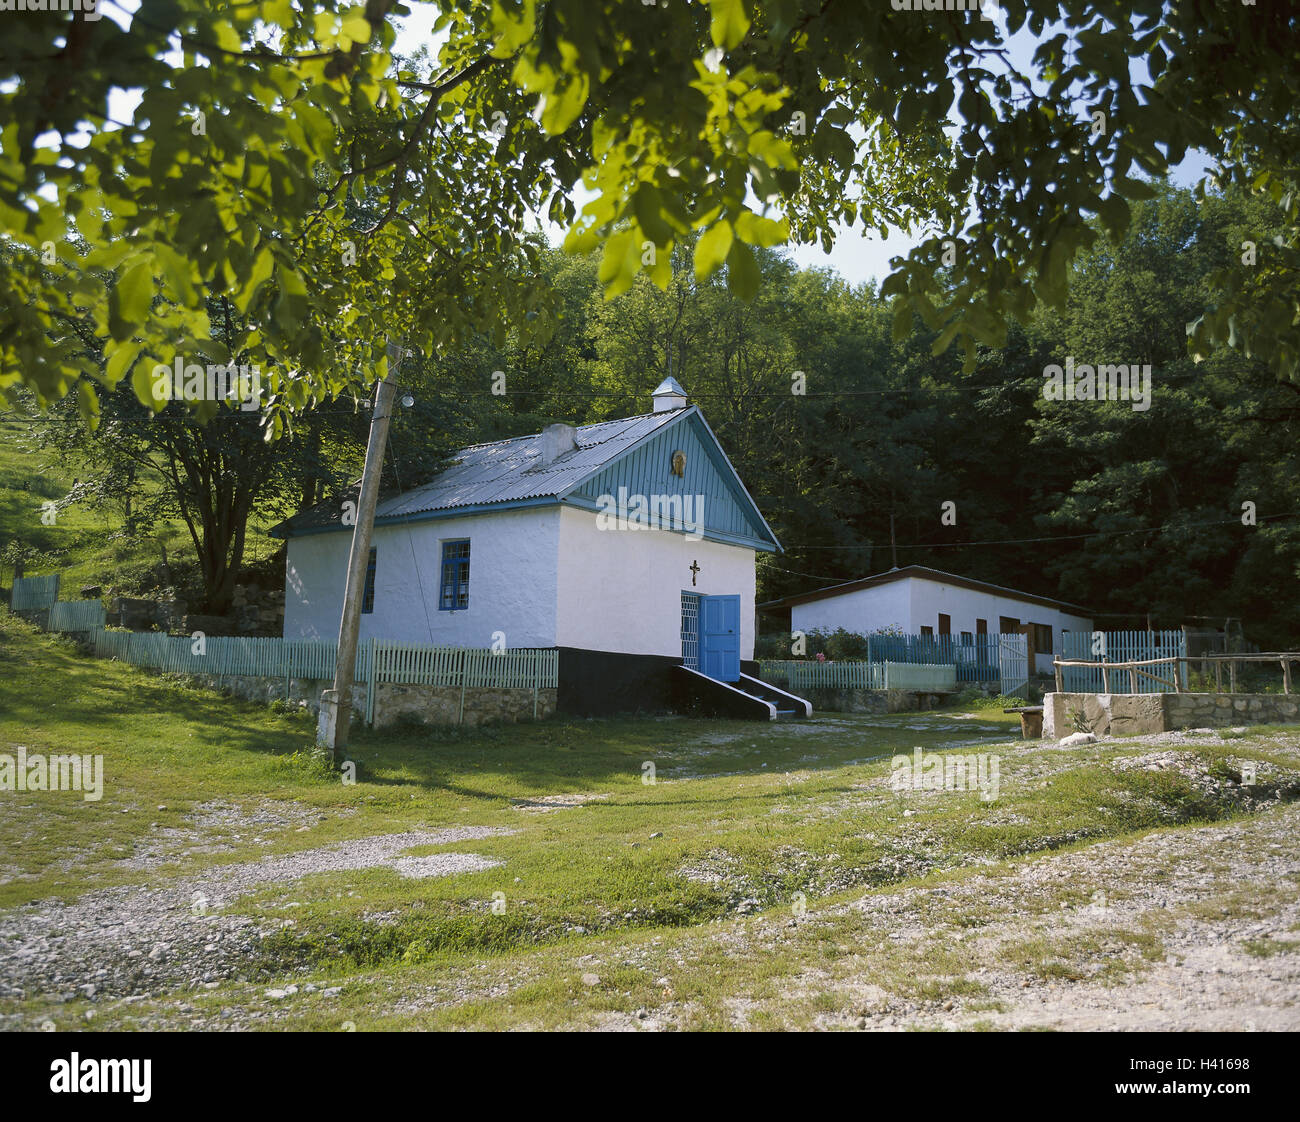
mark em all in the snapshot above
pixel 730 23
pixel 89 404
pixel 1114 214
pixel 1135 189
pixel 945 337
pixel 261 273
pixel 227 37
pixel 743 277
pixel 902 323
pixel 357 28
pixel 712 248
pixel 560 107
pixel 619 263
pixel 142 383
pixel 893 285
pixel 512 28
pixel 647 203
pixel 135 291
pixel 772 150
pixel 119 360
pixel 766 232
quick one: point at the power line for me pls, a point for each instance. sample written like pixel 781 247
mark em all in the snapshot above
pixel 1055 538
pixel 569 394
pixel 1019 541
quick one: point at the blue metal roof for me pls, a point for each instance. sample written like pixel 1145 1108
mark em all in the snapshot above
pixel 510 473
pixel 509 470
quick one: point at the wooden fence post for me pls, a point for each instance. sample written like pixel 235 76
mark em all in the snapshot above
pixel 372 679
pixel 464 673
pixel 1105 677
pixel 1060 680
pixel 1132 679
pixel 1218 676
pixel 1286 675
pixel 1232 676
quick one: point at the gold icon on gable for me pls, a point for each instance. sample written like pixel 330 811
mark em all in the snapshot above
pixel 679 462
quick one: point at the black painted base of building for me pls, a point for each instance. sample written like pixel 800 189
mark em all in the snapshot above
pixel 703 697
pixel 601 683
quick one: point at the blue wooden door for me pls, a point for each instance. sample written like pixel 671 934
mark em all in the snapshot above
pixel 720 637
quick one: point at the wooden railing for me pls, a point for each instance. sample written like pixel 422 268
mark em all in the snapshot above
pixel 1180 663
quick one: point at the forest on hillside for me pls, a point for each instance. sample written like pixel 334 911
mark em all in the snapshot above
pixel 1127 511
pixel 853 435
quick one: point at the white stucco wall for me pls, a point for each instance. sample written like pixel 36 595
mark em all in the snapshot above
pixel 916 602
pixel 620 590
pixel 861 610
pixel 546 577
pixel 512 587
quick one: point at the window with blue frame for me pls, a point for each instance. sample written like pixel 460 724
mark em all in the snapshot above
pixel 368 594
pixel 454 595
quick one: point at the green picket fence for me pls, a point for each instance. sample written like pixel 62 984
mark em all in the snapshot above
pixel 77 615
pixel 35 594
pixel 929 678
pixel 797 674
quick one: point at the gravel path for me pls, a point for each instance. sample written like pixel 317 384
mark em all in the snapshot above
pixel 1165 883
pixel 126 941
pixel 1203 894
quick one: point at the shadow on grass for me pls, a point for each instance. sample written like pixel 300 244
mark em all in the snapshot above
pixel 68 698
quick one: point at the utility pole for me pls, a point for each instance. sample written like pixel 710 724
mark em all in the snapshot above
pixel 336 703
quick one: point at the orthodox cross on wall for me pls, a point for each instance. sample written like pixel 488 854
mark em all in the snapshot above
pixel 695 568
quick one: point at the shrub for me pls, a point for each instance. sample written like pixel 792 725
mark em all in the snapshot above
pixel 1078 721
pixel 1001 701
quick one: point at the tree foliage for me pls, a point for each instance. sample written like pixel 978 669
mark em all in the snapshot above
pixel 736 124
pixel 1124 511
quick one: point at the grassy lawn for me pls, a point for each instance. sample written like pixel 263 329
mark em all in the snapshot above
pixel 590 859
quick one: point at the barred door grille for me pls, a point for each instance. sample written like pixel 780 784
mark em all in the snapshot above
pixel 691 630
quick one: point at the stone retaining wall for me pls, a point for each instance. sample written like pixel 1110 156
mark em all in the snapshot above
pixel 431 705
pixel 441 705
pixel 869 701
pixel 1134 714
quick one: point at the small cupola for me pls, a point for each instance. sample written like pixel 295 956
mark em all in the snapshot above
pixel 669 395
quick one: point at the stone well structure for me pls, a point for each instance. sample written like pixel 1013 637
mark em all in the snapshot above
pixel 1133 714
